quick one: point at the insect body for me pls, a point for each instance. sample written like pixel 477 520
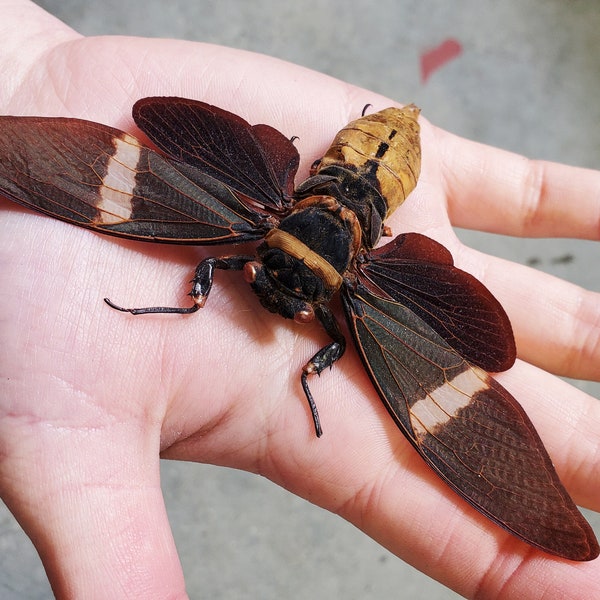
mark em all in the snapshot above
pixel 427 332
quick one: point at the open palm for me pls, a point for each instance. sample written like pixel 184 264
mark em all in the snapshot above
pixel 91 398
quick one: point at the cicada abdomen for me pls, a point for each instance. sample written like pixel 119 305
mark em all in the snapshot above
pixel 372 165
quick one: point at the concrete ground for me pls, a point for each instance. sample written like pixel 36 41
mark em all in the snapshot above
pixel 525 77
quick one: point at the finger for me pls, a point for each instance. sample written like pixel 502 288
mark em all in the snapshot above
pixel 556 323
pixel 568 421
pixel 501 192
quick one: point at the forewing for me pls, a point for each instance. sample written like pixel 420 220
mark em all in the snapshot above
pixel 419 273
pixel 466 426
pixel 99 177
pixel 258 162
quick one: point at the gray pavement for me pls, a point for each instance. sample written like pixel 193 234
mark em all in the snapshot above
pixel 527 80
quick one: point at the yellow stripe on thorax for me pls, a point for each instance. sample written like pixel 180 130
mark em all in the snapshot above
pixel 276 238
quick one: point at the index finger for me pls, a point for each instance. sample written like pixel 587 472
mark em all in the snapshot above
pixel 502 192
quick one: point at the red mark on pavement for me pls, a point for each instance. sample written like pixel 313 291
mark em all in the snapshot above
pixel 437 57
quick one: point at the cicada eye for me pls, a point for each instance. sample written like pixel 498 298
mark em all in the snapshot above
pixel 305 315
pixel 250 271
pixel 315 167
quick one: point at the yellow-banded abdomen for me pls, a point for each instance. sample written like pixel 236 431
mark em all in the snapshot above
pixel 371 166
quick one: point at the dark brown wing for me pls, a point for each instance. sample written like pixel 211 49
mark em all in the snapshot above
pixel 98 177
pixel 466 426
pixel 419 273
pixel 256 161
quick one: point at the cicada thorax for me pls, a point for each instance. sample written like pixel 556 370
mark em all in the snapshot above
pixel 301 262
pixel 371 167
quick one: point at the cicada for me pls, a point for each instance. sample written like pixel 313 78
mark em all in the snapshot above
pixel 427 332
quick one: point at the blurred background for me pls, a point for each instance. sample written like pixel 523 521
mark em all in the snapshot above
pixel 522 75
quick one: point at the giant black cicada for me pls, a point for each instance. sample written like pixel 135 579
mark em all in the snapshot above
pixel 427 332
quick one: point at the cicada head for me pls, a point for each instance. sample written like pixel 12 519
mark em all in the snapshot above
pixel 275 296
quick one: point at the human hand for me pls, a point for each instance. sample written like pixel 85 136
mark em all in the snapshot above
pixel 91 397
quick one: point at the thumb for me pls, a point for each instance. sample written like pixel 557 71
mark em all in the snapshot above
pixel 94 510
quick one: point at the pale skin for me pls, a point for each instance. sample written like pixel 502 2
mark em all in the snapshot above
pixel 90 398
